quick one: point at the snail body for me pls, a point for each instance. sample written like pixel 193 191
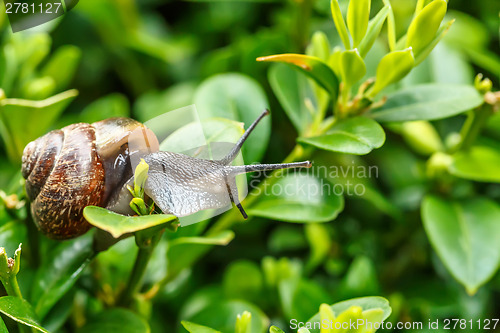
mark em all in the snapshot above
pixel 91 164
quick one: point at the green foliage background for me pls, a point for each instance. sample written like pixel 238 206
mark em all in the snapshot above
pixel 425 235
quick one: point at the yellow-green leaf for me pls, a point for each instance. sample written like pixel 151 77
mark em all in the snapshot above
pixel 352 67
pixel 374 27
pixel 424 26
pixel 427 50
pixel 358 14
pixel 391 27
pixel 314 67
pixel 340 24
pixel 392 68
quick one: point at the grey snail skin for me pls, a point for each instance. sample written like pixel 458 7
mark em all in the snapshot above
pixel 91 164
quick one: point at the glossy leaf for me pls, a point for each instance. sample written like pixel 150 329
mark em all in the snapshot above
pixel 20 311
pixel 59 273
pixel 212 130
pixel 359 136
pixel 195 328
pixel 339 22
pixel 373 309
pixel 239 98
pixel 392 67
pixel 293 92
pixel 465 236
pixel 314 67
pixel 427 102
pixel 183 251
pixel 116 320
pixel 358 14
pixel 352 67
pixel 3 328
pixel 374 28
pixel 428 49
pixel 299 198
pixel 479 163
pixel 424 26
pixel 118 225
pixel 17 132
pixel 112 105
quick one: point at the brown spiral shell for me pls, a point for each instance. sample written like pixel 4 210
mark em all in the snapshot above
pixel 77 166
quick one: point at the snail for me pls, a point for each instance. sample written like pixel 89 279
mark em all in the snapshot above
pixel 90 164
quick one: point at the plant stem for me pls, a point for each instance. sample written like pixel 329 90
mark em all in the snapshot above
pixel 475 122
pixel 140 265
pixel 12 287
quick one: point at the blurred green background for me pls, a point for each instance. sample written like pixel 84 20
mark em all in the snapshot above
pixel 143 58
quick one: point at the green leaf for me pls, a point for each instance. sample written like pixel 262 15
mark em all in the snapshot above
pixel 479 164
pixel 427 102
pixel 118 225
pixel 182 252
pixel 374 28
pixel 239 98
pixel 340 24
pixel 424 26
pixel 212 130
pixel 17 132
pixel 465 236
pixel 359 136
pixel 20 311
pixel 155 103
pixel 294 94
pixel 112 105
pixel 3 328
pixel 243 280
pixel 392 67
pixel 391 27
pixel 274 329
pixel 222 316
pixel 62 65
pixel 374 309
pixel 422 137
pixel 439 35
pixel 360 280
pixel 195 328
pixel 314 67
pixel 299 198
pixel 320 243
pixel 300 298
pixel 64 265
pixel 319 46
pixel 116 320
pixel 352 67
pixel 358 14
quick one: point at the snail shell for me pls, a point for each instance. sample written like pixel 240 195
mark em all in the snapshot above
pixel 77 166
